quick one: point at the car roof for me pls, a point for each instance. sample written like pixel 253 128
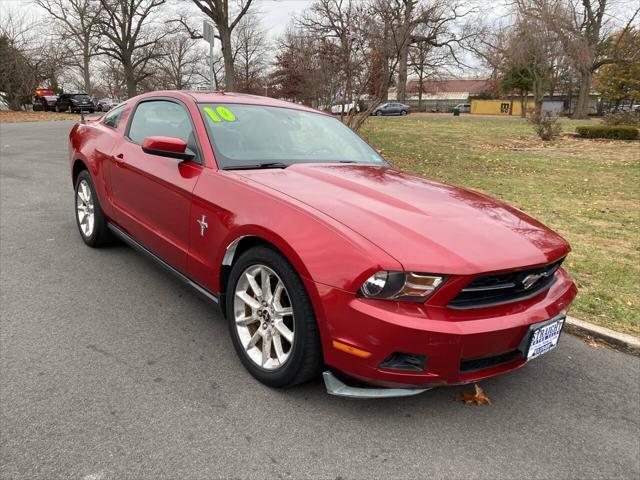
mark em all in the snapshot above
pixel 228 97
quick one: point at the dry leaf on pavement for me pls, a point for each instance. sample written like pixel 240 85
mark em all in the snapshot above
pixel 592 342
pixel 479 398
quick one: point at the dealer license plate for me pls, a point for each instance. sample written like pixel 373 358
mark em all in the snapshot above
pixel 544 338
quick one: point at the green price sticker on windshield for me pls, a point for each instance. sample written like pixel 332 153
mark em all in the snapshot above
pixel 221 113
pixel 226 114
pixel 212 114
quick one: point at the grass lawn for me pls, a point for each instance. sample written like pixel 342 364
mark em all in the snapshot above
pixel 586 190
pixel 7 116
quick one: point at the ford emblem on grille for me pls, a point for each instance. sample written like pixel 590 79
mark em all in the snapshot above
pixel 530 280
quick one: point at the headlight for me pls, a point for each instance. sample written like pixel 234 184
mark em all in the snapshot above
pixel 406 286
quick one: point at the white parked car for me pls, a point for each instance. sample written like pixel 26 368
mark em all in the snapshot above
pixel 463 107
pixel 338 108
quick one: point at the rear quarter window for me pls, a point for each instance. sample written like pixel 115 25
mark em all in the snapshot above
pixel 112 119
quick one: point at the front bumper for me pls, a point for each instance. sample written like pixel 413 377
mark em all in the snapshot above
pixel 459 346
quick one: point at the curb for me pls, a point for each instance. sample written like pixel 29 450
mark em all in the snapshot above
pixel 619 341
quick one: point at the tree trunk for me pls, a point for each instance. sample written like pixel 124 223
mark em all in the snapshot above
pixel 523 105
pixel 582 104
pixel 403 59
pixel 86 74
pixel 86 63
pixel 129 78
pixel 227 55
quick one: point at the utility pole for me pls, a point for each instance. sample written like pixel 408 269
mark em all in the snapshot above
pixel 209 35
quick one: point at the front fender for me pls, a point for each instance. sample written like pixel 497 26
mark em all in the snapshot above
pixel 320 249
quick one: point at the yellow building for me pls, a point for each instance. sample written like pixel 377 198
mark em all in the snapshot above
pixel 498 107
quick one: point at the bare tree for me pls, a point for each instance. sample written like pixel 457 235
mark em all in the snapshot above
pixel 78 23
pixel 435 22
pixel 584 28
pixel 29 57
pixel 178 66
pixel 426 61
pixel 133 40
pixel 251 54
pixel 18 77
pixel 219 12
pixel 112 80
pixel 295 74
pixel 534 51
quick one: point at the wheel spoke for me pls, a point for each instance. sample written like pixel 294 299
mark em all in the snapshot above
pixel 257 291
pixel 86 191
pixel 246 320
pixel 277 346
pixel 254 339
pixel 284 331
pixel 277 293
pixel 266 285
pixel 282 311
pixel 248 299
pixel 266 349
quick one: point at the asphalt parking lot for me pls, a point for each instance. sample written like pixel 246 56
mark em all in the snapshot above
pixel 111 369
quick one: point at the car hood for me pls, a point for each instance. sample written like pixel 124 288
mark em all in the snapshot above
pixel 427 226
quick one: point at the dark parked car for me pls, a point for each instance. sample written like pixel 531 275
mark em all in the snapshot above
pixel 391 109
pixel 44 103
pixel 75 102
pixel 107 104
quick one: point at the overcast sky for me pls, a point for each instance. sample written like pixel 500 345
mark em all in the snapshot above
pixel 275 14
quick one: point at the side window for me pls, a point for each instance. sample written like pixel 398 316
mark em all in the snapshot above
pixel 160 118
pixel 112 119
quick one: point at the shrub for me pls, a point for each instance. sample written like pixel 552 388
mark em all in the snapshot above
pixel 622 118
pixel 547 126
pixel 613 132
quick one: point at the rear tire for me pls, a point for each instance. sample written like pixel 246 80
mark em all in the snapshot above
pixel 90 220
pixel 254 324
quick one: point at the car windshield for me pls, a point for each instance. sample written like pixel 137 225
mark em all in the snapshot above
pixel 245 135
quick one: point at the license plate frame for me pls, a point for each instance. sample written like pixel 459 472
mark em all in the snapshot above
pixel 544 346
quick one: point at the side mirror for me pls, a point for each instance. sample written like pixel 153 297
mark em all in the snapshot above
pixel 167 147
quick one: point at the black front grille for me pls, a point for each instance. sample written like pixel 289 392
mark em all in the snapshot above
pixel 488 362
pixel 499 288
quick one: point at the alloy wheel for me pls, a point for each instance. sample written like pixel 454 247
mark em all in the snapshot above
pixel 264 317
pixel 84 209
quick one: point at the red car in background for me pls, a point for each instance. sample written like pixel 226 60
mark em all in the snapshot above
pixel 320 254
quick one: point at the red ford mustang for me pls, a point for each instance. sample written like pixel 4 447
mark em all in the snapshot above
pixel 320 253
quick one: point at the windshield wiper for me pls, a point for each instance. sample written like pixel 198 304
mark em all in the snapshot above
pixel 256 166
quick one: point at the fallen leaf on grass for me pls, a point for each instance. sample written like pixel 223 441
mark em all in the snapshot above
pixel 479 398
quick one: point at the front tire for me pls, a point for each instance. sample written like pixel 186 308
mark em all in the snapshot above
pixel 378 113
pixel 271 320
pixel 89 217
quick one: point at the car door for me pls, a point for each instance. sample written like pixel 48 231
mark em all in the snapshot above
pixel 152 194
pixel 60 104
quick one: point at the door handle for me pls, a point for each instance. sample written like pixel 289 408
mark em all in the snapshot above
pixel 119 159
